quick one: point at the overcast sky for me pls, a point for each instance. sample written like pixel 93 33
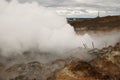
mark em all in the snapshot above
pixel 81 8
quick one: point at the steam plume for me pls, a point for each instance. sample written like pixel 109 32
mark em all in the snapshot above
pixel 28 26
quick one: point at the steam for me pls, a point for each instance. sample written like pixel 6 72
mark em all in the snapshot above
pixel 29 26
pixel 30 32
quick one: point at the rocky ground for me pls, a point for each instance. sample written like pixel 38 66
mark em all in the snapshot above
pixel 106 66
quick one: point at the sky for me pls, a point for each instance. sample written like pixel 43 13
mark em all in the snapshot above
pixel 80 8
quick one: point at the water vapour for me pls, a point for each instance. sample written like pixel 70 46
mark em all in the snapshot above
pixel 26 26
pixel 29 26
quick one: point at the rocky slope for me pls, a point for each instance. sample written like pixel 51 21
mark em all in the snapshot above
pixel 105 67
pixel 78 71
pixel 109 63
pixel 36 70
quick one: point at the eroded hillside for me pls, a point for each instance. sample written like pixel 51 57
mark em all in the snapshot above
pixel 108 23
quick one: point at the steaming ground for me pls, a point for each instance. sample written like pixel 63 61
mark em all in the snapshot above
pixel 31 32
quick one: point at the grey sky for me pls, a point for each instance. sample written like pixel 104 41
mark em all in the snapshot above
pixel 78 3
pixel 107 6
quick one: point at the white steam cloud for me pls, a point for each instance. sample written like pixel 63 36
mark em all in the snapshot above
pixel 30 26
pixel 27 26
